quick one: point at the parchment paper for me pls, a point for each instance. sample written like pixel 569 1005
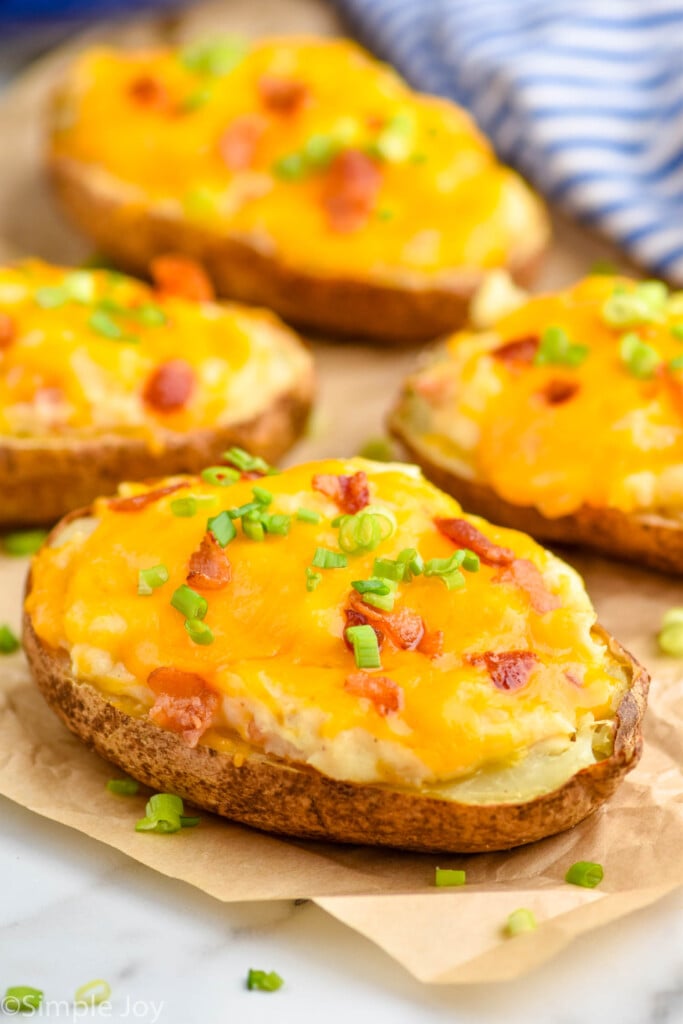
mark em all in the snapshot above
pixel 438 935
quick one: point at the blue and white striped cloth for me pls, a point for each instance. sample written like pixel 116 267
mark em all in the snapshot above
pixel 585 97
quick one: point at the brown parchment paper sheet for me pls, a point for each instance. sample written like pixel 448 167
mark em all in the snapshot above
pixel 438 935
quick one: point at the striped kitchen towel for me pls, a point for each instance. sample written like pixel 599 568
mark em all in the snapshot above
pixel 585 97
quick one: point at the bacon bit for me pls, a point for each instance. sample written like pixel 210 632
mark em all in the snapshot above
pixel 465 535
pixel 181 277
pixel 351 493
pixel 8 330
pixel 184 703
pixel 431 643
pixel 238 144
pixel 169 386
pixel 149 92
pixel 356 618
pixel 353 181
pixel 509 670
pixel 527 576
pixel 282 95
pixel 136 502
pixel 520 351
pixel 209 567
pixel 403 628
pixel 557 392
pixel 384 693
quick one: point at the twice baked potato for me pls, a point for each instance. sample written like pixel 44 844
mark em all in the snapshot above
pixel 563 418
pixel 303 174
pixel 103 379
pixel 335 652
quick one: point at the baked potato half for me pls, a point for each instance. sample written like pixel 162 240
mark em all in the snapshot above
pixel 563 417
pixel 302 173
pixel 334 652
pixel 103 379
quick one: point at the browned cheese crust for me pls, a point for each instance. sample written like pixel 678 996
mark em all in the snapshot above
pixel 43 479
pixel 410 309
pixel 652 539
pixel 276 796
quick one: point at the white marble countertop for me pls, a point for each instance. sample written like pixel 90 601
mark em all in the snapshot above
pixel 72 910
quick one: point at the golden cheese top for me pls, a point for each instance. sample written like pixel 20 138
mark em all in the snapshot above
pixel 478 667
pixel 86 353
pixel 309 148
pixel 573 398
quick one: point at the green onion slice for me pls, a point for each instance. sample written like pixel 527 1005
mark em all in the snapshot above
pixel 445 877
pixel 291 167
pixel 189 603
pixel 51 297
pixel 253 529
pixel 277 523
pixel 220 476
pixel 150 579
pixel 93 993
pixel 520 921
pixel 557 349
pixel 199 632
pixel 644 305
pixel 215 58
pixel 184 507
pixel 307 515
pixel 245 462
pixel 262 496
pixel 222 527
pixel 326 559
pixel 313 579
pixel 640 359
pixel 363 639
pixel 22 999
pixel 162 814
pixel 123 787
pixel 585 873
pixel 9 642
pixel 25 542
pixel 150 316
pixel 80 286
pixel 378 449
pixel 263 981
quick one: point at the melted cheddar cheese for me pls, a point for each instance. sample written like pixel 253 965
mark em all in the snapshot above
pixel 605 430
pixel 222 145
pixel 278 659
pixel 86 353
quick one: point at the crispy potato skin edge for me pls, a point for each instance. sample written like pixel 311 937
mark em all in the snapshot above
pixel 283 798
pixel 43 481
pixel 395 313
pixel 651 540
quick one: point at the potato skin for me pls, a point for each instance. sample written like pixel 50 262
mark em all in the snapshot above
pixel 42 480
pixel 410 309
pixel 276 796
pixel 651 539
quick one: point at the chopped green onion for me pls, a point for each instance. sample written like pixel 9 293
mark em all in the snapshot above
pixel 384 214
pixel 253 529
pixel 278 524
pixel 93 993
pixel 306 515
pixel 676 364
pixel 643 305
pixel 51 297
pixel 102 323
pixel 150 316
pixel 471 562
pixel 557 349
pixel 585 873
pixel 396 140
pixel 380 600
pixel 216 58
pixel 189 821
pixel 448 569
pixel 326 559
pixel 189 603
pixel 150 579
pixel 319 150
pixel 80 286
pixel 9 642
pixel 123 787
pixel 22 999
pixel 363 639
pixel 184 507
pixel 676 331
pixel 262 496
pixel 449 876
pixel 373 586
pixel 291 167
pixel 220 476
pixel 162 814
pixel 245 462
pixel 24 542
pixel 378 449
pixel 365 530
pixel 412 562
pixel 640 358
pixel 389 569
pixel 244 510
pixel 670 638
pixel 222 527
pixel 520 921
pixel 313 579
pixel 199 632
pixel 195 100
pixel 263 981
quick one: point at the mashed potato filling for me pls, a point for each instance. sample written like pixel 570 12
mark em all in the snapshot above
pixel 508 665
